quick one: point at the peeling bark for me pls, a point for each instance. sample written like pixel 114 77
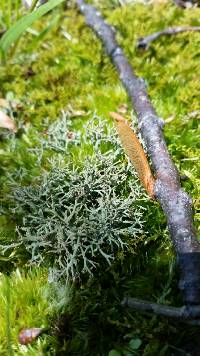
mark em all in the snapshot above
pixel 175 202
pixel 144 42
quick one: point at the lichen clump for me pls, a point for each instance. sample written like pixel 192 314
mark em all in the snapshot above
pixel 81 218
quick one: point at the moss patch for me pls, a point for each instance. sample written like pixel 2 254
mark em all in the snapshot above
pixel 63 67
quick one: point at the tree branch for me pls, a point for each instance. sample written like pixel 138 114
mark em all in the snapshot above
pixel 144 42
pixel 174 201
pixel 186 313
pixel 183 4
pixel 187 4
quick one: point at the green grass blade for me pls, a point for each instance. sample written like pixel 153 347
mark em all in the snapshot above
pixel 26 21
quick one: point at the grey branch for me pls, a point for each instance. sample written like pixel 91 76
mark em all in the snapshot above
pixel 177 205
pixel 184 4
pixel 190 314
pixel 144 42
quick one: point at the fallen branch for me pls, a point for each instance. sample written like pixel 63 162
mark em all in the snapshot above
pixel 175 202
pixel 144 42
pixel 186 313
pixel 183 4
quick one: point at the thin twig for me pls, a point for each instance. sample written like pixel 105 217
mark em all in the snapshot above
pixel 144 42
pixel 177 205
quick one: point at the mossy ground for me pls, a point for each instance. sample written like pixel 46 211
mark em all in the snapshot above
pixel 65 68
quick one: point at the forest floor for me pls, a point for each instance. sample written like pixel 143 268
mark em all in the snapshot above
pixel 56 81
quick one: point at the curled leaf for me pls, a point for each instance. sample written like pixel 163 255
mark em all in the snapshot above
pixel 6 122
pixel 26 336
pixel 135 152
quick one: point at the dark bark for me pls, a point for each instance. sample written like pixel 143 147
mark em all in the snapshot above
pixel 186 313
pixel 182 4
pixel 185 4
pixel 144 42
pixel 175 202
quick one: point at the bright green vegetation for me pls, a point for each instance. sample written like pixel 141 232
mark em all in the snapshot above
pixel 60 65
pixel 26 300
pixel 15 31
pixel 20 294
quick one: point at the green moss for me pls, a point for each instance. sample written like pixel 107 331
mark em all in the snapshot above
pixel 23 305
pixel 52 74
pixel 60 71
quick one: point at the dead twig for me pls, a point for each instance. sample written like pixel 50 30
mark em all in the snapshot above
pixel 177 205
pixel 144 42
pixel 188 314
pixel 183 4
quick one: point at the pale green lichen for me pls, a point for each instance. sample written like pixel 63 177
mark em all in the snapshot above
pixel 76 218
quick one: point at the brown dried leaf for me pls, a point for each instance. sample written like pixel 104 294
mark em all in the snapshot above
pixel 135 152
pixel 6 122
pixel 27 336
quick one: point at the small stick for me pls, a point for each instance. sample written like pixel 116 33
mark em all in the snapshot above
pixel 144 42
pixel 184 313
pixel 135 152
